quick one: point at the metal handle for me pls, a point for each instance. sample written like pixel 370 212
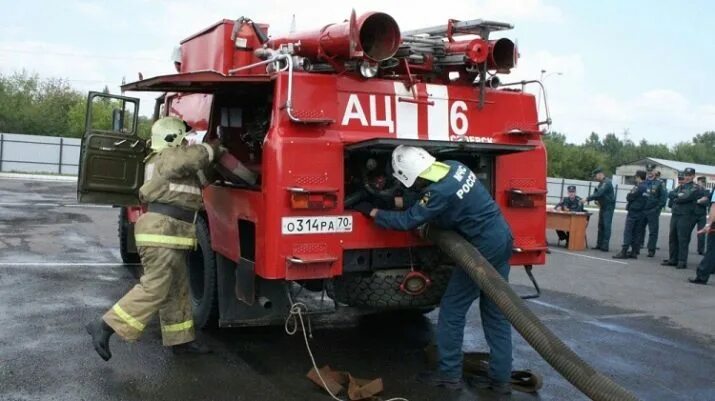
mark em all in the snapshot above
pixel 299 261
pixel 134 145
pixel 119 142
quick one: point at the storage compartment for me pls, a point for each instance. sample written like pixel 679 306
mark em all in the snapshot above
pixel 222 48
pixel 240 119
pixel 368 174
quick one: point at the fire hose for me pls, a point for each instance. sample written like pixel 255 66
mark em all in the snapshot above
pixel 591 382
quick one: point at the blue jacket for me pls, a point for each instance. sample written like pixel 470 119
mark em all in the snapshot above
pixel 638 198
pixel 457 202
pixel 604 194
pixel 570 205
pixel 657 195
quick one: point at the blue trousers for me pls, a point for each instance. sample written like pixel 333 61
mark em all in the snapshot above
pixel 461 292
pixel 605 217
pixel 634 231
pixel 701 237
pixel 707 265
pixel 652 221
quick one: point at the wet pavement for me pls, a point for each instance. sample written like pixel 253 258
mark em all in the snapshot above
pixel 59 267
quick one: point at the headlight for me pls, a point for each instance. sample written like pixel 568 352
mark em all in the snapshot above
pixel 368 69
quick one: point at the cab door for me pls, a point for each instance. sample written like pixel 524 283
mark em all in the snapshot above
pixel 112 154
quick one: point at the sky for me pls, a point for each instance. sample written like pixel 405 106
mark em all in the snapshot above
pixel 639 69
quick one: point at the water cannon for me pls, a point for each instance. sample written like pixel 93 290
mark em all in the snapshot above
pixel 444 43
pixel 374 36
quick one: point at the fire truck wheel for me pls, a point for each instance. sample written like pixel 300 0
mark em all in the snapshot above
pixel 381 289
pixel 125 228
pixel 202 278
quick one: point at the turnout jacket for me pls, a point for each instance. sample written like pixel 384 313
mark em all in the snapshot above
pixel 171 177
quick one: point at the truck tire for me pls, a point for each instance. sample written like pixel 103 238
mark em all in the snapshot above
pixel 125 228
pixel 381 289
pixel 201 264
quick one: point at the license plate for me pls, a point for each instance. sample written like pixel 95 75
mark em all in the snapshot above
pixel 317 225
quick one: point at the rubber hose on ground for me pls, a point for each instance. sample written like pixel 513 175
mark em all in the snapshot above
pixel 592 383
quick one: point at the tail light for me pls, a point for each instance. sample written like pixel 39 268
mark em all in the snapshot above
pixel 301 198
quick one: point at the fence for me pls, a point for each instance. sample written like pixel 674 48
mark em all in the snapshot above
pixel 39 154
pixel 57 155
pixel 556 189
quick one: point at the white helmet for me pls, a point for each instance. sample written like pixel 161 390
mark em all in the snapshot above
pixel 408 162
pixel 167 132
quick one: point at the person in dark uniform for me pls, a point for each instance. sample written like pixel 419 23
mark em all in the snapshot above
pixel 635 220
pixel 606 199
pixel 701 212
pixel 655 202
pixel 571 203
pixel 707 265
pixel 682 221
pixel 453 198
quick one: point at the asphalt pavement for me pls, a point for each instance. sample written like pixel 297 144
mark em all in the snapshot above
pixel 636 321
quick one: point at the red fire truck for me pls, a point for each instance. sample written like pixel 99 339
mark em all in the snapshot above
pixel 316 115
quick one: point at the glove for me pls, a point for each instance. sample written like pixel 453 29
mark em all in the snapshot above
pixel 364 208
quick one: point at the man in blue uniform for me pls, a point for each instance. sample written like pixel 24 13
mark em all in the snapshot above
pixel 707 265
pixel 655 202
pixel 682 221
pixel 635 220
pixel 606 199
pixel 701 212
pixel 453 198
pixel 571 203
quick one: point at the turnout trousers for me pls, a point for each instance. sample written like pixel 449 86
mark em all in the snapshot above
pixel 163 288
pixel 461 292
pixel 681 229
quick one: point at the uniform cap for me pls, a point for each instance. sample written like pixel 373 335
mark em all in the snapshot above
pixel 597 170
pixel 571 188
pixel 689 171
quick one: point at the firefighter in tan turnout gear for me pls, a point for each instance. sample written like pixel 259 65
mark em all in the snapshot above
pixel 172 191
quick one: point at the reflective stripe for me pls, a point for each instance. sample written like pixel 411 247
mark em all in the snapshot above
pixel 435 172
pixel 210 150
pixel 178 326
pixel 189 189
pixel 164 239
pixel 149 172
pixel 128 318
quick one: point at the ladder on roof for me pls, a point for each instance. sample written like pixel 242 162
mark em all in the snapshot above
pixel 479 27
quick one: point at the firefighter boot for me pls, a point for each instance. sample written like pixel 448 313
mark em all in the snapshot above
pixel 192 347
pixel 623 254
pixel 100 332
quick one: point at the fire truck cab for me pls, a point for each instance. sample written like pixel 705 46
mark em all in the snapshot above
pixel 315 116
